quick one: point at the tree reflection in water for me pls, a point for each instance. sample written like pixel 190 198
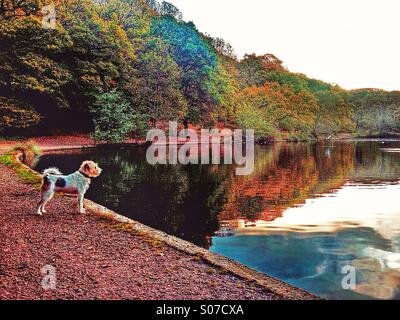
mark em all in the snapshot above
pixel 240 215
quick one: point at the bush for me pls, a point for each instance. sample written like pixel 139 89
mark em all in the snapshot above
pixel 299 136
pixel 27 147
pixel 113 117
pixel 27 176
pixel 249 117
pixel 378 123
pixel 30 152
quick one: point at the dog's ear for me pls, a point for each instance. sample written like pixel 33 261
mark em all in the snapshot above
pixel 85 167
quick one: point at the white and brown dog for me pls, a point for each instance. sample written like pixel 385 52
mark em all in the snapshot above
pixel 74 184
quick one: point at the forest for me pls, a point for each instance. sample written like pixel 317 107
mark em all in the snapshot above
pixel 116 68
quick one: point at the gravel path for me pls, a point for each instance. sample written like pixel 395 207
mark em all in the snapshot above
pixel 93 260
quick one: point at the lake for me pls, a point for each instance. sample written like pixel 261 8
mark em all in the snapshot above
pixel 311 214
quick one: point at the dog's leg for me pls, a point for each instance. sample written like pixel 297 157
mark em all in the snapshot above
pixel 39 206
pixel 81 209
pixel 46 201
pixel 46 196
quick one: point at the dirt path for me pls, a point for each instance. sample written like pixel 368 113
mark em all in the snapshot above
pixel 94 260
pixel 60 142
pixel 52 142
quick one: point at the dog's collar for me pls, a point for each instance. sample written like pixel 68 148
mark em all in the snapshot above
pixel 84 174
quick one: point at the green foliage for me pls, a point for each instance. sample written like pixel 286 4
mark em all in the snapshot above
pixel 378 123
pixel 377 112
pixel 160 92
pixel 30 66
pixel 224 91
pixel 113 117
pixel 296 81
pixel 254 70
pixel 195 57
pixel 27 148
pixel 103 52
pixel 335 114
pixel 27 176
pixel 249 116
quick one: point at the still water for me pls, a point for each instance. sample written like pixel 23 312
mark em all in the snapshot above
pixel 307 213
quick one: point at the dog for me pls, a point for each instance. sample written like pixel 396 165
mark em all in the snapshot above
pixel 74 184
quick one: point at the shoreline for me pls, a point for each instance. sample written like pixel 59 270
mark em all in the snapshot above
pixel 82 141
pixel 244 275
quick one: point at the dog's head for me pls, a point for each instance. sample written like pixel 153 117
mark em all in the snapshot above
pixel 90 168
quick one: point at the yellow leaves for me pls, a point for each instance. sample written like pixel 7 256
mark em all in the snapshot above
pixel 269 96
pixel 33 63
pixel 91 79
pixel 15 114
pixel 28 83
pixel 282 107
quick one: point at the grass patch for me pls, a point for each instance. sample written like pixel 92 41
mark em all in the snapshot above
pixel 26 175
pixel 222 270
pixel 154 242
pixel 211 271
pixel 146 238
pixel 12 138
pixel 197 258
pixel 127 227
pixel 103 217
pixel 29 152
pixel 28 149
pixel 150 240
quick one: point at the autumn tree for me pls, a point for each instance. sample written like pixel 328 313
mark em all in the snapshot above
pixel 253 69
pixel 18 8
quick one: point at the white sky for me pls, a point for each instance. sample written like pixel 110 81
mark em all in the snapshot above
pixel 354 43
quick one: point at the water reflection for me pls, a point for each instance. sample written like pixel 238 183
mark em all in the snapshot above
pixel 305 212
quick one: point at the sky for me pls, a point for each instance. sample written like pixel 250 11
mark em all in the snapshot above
pixel 354 43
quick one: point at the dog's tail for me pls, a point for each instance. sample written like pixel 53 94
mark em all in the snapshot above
pixel 53 171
